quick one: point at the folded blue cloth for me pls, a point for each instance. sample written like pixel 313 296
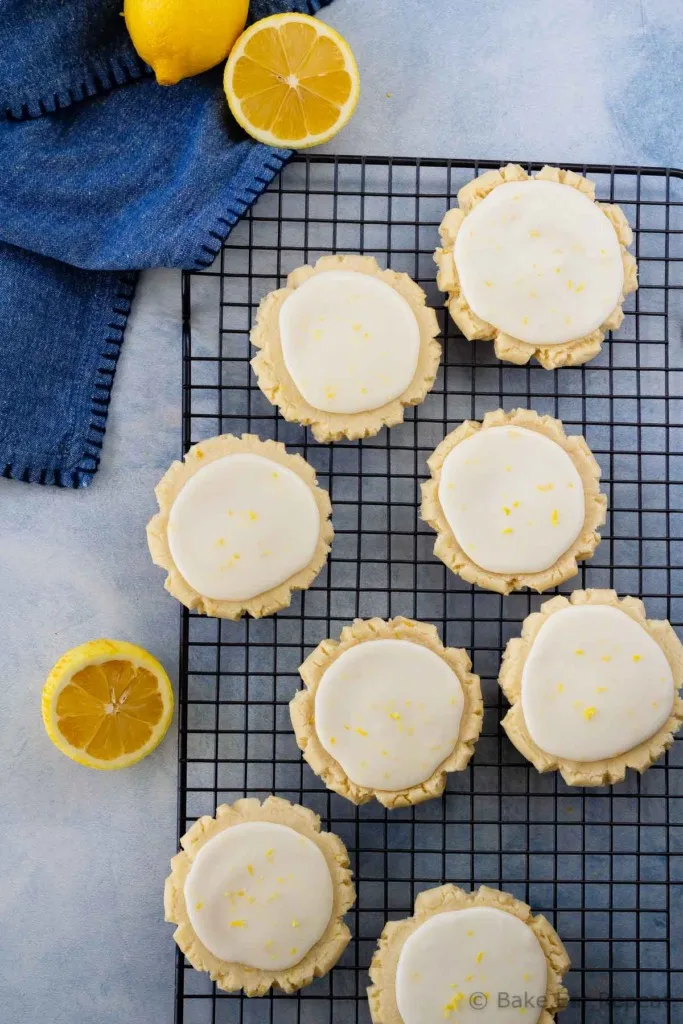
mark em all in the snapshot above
pixel 102 173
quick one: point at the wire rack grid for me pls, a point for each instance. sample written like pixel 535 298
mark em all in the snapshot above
pixel 605 865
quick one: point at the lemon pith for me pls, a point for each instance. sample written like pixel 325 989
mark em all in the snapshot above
pixel 291 81
pixel 107 704
pixel 180 38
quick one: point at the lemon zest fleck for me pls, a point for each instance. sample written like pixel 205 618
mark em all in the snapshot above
pixel 588 713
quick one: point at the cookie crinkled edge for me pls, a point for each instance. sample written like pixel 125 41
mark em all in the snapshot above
pixel 278 386
pixel 172 483
pixel 444 898
pixel 321 958
pixel 446 546
pixel 507 348
pixel 302 710
pixel 612 769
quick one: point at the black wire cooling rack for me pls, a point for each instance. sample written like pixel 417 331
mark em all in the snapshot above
pixel 604 865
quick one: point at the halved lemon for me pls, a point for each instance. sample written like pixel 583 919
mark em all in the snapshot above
pixel 291 81
pixel 107 704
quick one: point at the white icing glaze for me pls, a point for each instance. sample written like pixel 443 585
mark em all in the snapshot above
pixel 242 525
pixel 259 894
pixel 462 955
pixel 513 499
pixel 595 684
pixel 389 712
pixel 350 342
pixel 540 261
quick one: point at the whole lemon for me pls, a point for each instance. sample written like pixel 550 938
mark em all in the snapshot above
pixel 180 38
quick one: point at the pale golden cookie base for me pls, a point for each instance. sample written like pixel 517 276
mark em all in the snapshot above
pixel 172 483
pixel 446 546
pixel 279 388
pixel 513 350
pixel 613 769
pixel 302 709
pixel 321 958
pixel 382 993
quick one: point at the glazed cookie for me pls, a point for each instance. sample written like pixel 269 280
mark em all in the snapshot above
pixel 345 347
pixel 241 524
pixel 387 712
pixel 514 501
pixel 471 957
pixel 258 895
pixel 594 687
pixel 536 265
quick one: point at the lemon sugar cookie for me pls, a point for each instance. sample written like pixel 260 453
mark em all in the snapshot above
pixel 345 347
pixel 241 524
pixel 479 956
pixel 258 895
pixel 536 265
pixel 594 687
pixel 514 501
pixel 387 712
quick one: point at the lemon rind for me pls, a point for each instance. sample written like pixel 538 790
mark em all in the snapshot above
pixel 268 137
pixel 94 652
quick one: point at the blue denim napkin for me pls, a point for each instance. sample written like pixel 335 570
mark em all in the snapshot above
pixel 102 173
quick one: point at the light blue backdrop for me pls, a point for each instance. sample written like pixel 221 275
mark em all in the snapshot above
pixel 83 855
